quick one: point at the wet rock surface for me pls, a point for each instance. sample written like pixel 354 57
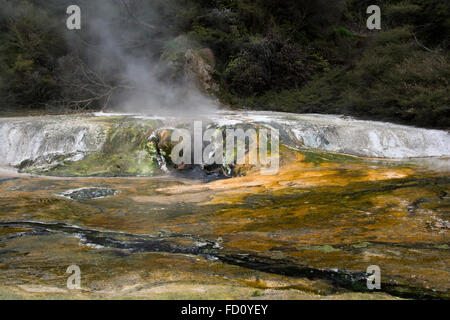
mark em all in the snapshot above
pixel 308 232
pixel 322 220
pixel 90 193
pixel 137 145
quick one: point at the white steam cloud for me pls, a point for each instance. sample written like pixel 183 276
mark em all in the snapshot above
pixel 120 41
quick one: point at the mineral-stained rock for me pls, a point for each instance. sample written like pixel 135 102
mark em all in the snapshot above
pixel 90 193
pixel 189 62
pixel 199 67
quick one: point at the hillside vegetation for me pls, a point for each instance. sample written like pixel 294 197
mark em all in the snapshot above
pixel 291 55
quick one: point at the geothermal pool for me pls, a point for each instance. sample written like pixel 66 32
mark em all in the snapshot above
pixel 98 191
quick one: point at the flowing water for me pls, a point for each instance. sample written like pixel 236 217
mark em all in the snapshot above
pixel 98 191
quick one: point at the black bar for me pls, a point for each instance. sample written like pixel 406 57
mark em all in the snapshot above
pixel 223 309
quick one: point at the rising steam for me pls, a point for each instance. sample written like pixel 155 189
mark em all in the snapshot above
pixel 123 40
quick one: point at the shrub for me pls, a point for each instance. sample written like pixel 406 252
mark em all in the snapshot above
pixel 271 63
pixel 30 47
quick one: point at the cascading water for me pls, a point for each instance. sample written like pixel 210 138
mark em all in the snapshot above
pixel 349 136
pixel 30 138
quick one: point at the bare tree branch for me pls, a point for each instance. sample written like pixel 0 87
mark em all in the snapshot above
pixel 135 18
pixel 421 45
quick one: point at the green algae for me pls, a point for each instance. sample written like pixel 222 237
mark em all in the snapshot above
pixel 126 152
pixel 318 157
pixel 346 226
pixel 309 227
pixel 324 248
pixel 361 245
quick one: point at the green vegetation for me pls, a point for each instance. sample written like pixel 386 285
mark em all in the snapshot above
pixel 256 294
pixel 30 45
pixel 317 57
pixel 292 55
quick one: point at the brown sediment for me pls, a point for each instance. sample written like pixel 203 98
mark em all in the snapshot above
pixel 343 215
pixel 297 174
